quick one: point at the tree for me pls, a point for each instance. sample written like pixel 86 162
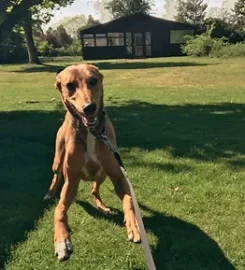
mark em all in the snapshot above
pixel 120 8
pixel 31 48
pixel 12 49
pixel 239 14
pixel 170 8
pixel 91 21
pixel 11 13
pixel 191 11
pixel 62 37
pixel 42 12
pixel 100 7
pixel 73 24
pixel 58 38
pixel 25 12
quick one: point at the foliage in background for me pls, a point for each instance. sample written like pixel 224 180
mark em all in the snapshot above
pixel 26 13
pixel 232 50
pixel 65 40
pixel 72 24
pixel 120 8
pixel 191 11
pixel 13 49
pixel 239 14
pixel 207 45
pixel 225 29
pixel 58 43
pixel 202 45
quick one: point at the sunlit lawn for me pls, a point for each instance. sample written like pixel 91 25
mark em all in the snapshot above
pixel 180 124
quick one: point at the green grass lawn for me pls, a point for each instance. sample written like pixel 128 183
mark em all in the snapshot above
pixel 180 125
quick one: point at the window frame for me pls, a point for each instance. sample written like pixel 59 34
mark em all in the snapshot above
pixel 180 39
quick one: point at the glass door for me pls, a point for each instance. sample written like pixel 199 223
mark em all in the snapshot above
pixel 138 44
pixel 148 44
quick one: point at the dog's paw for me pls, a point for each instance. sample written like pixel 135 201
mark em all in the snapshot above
pixel 49 195
pixel 104 210
pixel 63 250
pixel 132 227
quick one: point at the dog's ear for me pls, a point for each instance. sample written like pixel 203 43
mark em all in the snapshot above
pixel 98 70
pixel 101 76
pixel 57 80
pixel 59 70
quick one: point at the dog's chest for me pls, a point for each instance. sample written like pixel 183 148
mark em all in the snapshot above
pixel 90 148
pixel 92 167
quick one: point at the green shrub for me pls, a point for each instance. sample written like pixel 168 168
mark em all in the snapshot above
pixel 217 46
pixel 73 50
pixel 232 50
pixel 204 44
pixel 46 49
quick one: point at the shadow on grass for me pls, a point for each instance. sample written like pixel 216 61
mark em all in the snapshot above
pixel 181 245
pixel 145 64
pixel 202 132
pixel 113 65
pixel 116 215
pixel 26 153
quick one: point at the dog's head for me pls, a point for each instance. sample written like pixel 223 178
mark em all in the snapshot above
pixel 81 86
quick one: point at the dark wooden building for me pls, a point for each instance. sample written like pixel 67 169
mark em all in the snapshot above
pixel 134 36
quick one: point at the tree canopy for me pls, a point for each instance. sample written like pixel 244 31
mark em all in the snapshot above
pixel 13 12
pixel 191 11
pixel 120 8
pixel 239 14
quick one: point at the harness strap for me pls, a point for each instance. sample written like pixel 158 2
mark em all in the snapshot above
pixel 147 251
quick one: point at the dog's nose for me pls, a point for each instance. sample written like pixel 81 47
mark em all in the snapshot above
pixel 89 108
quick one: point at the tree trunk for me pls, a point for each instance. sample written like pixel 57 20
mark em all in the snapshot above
pixel 31 48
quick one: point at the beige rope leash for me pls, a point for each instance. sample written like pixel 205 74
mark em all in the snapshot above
pixel 147 251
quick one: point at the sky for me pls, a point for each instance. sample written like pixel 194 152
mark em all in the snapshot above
pixel 87 7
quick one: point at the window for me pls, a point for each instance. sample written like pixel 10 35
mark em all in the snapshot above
pixel 177 36
pixel 148 50
pixel 138 39
pixel 129 43
pixel 129 39
pixel 88 40
pixel 147 38
pixel 148 44
pixel 101 40
pixel 115 39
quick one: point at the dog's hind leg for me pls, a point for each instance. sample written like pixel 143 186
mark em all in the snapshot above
pixel 54 184
pixel 95 191
pixel 58 161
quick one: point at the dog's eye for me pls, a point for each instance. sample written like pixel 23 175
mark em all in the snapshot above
pixel 93 81
pixel 71 87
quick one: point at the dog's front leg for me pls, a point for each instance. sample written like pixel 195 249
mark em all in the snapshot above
pixel 122 189
pixel 72 167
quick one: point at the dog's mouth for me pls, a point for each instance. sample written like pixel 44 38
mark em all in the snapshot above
pixel 89 120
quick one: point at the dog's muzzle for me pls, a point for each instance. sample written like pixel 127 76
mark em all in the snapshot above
pixel 89 119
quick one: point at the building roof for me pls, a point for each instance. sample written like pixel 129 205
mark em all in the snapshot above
pixel 132 18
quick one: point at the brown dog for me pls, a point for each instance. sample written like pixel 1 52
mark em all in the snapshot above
pixel 79 156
